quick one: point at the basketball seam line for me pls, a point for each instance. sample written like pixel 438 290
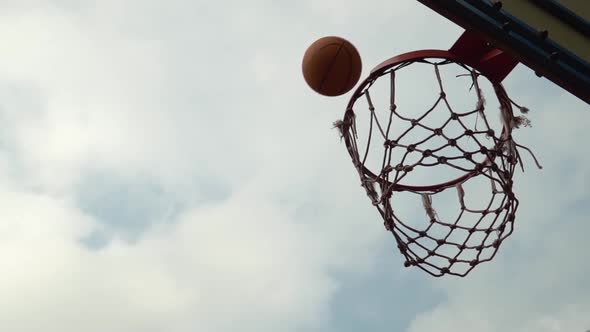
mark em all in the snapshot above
pixel 350 73
pixel 331 66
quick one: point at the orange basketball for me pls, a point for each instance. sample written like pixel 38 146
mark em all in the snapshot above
pixel 331 66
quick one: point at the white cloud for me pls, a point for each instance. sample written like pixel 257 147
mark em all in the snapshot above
pixel 181 92
pixel 242 262
pixel 110 98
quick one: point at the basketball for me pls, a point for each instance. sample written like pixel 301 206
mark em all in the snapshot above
pixel 331 66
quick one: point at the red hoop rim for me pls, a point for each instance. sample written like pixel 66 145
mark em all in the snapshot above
pixel 378 71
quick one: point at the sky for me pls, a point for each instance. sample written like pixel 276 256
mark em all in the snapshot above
pixel 164 167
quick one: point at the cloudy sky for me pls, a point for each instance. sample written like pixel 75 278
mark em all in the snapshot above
pixel 163 167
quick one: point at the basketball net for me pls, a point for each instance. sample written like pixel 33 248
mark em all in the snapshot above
pixel 437 246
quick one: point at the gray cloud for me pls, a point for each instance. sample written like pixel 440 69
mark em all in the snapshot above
pixel 115 113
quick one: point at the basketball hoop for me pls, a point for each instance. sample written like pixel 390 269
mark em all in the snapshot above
pixel 494 159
